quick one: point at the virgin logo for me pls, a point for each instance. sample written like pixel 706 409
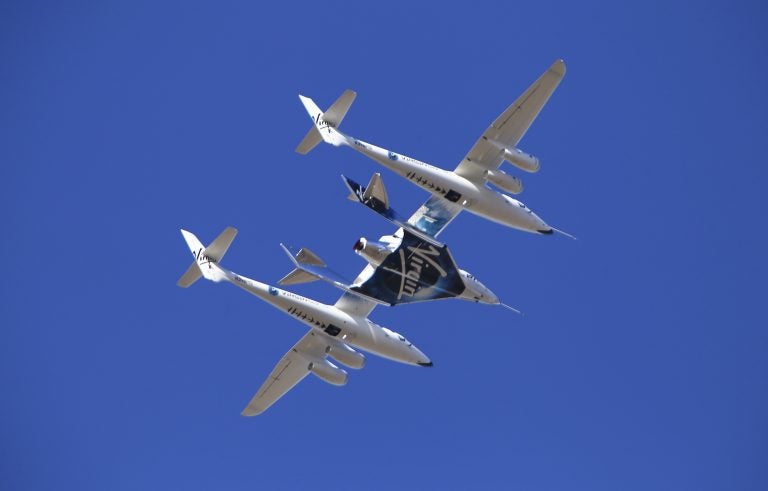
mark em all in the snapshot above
pixel 203 259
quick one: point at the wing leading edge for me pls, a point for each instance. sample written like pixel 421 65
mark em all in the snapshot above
pixel 289 371
pixel 510 127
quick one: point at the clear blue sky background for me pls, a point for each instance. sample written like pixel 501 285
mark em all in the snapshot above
pixel 641 362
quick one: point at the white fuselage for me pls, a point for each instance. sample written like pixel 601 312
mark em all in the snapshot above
pixel 477 199
pixel 358 332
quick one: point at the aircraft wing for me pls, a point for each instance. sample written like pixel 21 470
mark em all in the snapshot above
pixel 288 372
pixel 510 127
pixel 434 215
pixel 355 305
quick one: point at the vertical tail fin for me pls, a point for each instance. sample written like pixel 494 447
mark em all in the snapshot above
pixel 325 123
pixel 206 258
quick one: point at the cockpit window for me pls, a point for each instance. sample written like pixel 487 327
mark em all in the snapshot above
pixel 521 205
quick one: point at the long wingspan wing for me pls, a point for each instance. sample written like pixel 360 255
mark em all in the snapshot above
pixel 355 305
pixel 288 372
pixel 511 126
pixel 374 197
pixel 434 215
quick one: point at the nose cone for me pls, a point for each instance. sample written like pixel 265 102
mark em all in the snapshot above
pixel 540 225
pixel 521 217
pixel 476 291
pixel 487 296
pixel 421 359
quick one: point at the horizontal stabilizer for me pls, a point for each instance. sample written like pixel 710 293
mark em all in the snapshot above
pixel 220 244
pixel 296 277
pixel 335 114
pixel 309 142
pixel 308 263
pixel 192 274
pixel 305 256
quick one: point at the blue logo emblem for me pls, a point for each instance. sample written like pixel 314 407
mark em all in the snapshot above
pixel 272 290
pixel 392 156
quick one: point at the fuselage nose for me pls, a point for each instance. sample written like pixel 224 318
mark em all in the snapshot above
pixel 400 349
pixel 422 359
pixel 541 226
pixel 515 214
pixel 487 296
pixel 418 357
pixel 534 223
pixel 474 290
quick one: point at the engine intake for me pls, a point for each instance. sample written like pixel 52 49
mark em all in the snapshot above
pixel 328 372
pixel 373 252
pixel 504 181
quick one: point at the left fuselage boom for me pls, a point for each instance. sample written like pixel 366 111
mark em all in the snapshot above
pixel 359 332
pixel 477 199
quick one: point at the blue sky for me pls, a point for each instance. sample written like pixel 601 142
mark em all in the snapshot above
pixel 641 360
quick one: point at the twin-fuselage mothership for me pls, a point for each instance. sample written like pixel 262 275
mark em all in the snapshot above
pixel 410 265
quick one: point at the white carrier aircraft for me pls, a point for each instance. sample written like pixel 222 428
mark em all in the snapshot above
pixel 334 330
pixel 465 187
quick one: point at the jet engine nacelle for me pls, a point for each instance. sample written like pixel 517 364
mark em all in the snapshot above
pixel 373 252
pixel 346 355
pixel 328 372
pixel 504 181
pixel 521 160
